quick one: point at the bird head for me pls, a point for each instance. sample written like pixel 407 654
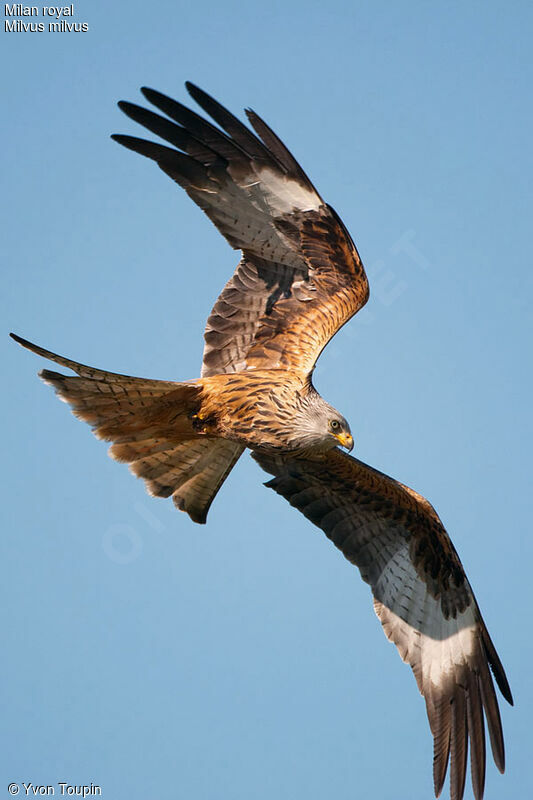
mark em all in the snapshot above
pixel 339 429
pixel 322 427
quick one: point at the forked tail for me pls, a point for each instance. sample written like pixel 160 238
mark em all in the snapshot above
pixel 150 425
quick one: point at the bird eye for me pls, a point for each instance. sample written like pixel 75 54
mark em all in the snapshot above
pixel 334 424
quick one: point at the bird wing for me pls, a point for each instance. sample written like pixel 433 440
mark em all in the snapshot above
pixel 300 277
pixel 421 596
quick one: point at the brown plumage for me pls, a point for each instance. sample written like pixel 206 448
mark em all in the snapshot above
pixel 421 596
pixel 299 280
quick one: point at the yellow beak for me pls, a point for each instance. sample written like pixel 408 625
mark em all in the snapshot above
pixel 345 440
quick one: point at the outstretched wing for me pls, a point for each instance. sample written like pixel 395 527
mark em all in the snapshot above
pixel 300 278
pixel 421 595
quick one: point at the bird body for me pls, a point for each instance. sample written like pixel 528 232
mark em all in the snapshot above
pixel 274 410
pixel 300 278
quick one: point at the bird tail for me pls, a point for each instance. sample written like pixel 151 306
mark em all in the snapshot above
pixel 151 425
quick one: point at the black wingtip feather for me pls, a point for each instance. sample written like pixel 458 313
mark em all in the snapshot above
pixel 152 95
pixel 200 128
pixel 496 666
pixel 196 93
pixel 282 153
pixel 179 166
pixel 142 146
pixel 242 135
pixel 167 130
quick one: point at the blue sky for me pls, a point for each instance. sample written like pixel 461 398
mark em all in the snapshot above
pixel 243 659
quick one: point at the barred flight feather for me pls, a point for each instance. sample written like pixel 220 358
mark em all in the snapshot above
pixel 426 605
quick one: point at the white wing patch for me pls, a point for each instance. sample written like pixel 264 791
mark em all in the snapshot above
pixel 412 618
pixel 284 195
pixel 427 608
pixel 244 212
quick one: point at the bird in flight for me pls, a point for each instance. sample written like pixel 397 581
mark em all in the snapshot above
pixel 299 280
